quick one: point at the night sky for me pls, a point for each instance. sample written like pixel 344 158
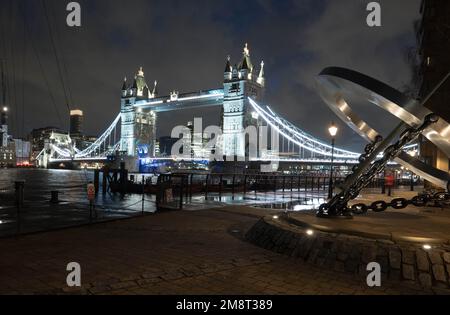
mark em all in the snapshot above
pixel 184 44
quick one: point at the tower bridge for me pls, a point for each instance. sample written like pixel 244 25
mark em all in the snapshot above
pixel 240 98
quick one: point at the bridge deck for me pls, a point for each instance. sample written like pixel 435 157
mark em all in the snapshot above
pixel 183 101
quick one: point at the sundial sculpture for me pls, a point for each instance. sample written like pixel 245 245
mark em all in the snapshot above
pixel 337 86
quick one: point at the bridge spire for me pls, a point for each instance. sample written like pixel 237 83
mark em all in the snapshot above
pixel 124 87
pixel 228 67
pixel 246 63
pixel 155 89
pixel 261 79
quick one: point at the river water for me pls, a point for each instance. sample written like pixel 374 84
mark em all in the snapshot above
pixel 38 214
pixel 70 184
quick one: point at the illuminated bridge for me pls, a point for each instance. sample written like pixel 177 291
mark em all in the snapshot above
pixel 132 134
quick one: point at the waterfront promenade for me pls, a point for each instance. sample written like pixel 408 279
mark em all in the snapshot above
pixel 186 252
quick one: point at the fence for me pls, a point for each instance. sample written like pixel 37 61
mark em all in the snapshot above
pixel 19 215
pixel 182 187
pixel 22 214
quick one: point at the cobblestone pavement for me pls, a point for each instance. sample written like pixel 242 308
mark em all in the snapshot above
pixel 191 252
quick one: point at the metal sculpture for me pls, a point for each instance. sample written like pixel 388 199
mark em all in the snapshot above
pixel 337 86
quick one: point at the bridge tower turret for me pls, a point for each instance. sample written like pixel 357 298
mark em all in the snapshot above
pixel 240 83
pixel 138 126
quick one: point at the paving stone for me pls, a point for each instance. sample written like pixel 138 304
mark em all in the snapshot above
pixel 394 274
pixel 384 263
pixel 123 285
pixel 446 257
pixel 187 247
pixel 435 257
pixel 439 273
pixel 339 266
pixel 425 280
pixel 369 254
pixel 313 255
pixel 408 272
pixel 351 265
pixel 422 261
pixel 145 282
pixel 342 256
pixel 408 257
pixel 395 258
pixel 99 289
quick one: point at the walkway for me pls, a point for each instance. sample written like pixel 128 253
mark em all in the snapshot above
pixel 189 252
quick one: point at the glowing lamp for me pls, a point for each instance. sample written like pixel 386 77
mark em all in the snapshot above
pixel 333 130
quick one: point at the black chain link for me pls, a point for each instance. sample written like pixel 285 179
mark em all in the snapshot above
pixel 338 205
pixel 422 200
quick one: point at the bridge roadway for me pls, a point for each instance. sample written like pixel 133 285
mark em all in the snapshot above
pixel 208 98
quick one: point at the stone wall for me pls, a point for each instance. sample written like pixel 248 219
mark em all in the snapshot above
pixel 406 262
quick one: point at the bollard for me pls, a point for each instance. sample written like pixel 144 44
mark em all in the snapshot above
pixel 143 193
pixel 206 187
pixel 123 178
pixel 220 187
pixel 245 186
pixel 104 182
pixel 181 192
pixel 190 186
pixel 232 189
pixel 96 180
pixel 20 187
pixel 54 196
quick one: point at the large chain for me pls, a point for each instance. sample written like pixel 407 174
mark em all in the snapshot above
pixel 440 200
pixel 338 206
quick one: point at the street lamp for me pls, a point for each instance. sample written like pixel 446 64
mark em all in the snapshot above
pixel 333 130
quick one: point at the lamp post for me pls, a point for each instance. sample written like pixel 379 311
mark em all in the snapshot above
pixel 255 116
pixel 333 130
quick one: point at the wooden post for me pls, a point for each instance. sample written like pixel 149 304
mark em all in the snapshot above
pixel 181 192
pixel 104 181
pixel 96 180
pixel 206 187
pixel 220 187
pixel 245 185
pixel 190 186
pixel 232 189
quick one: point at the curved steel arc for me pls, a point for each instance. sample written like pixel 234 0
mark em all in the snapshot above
pixel 338 85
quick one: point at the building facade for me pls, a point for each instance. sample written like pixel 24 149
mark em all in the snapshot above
pixel 76 123
pixel 434 52
pixel 38 137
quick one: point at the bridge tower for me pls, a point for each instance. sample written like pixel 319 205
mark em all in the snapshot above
pixel 240 82
pixel 138 127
